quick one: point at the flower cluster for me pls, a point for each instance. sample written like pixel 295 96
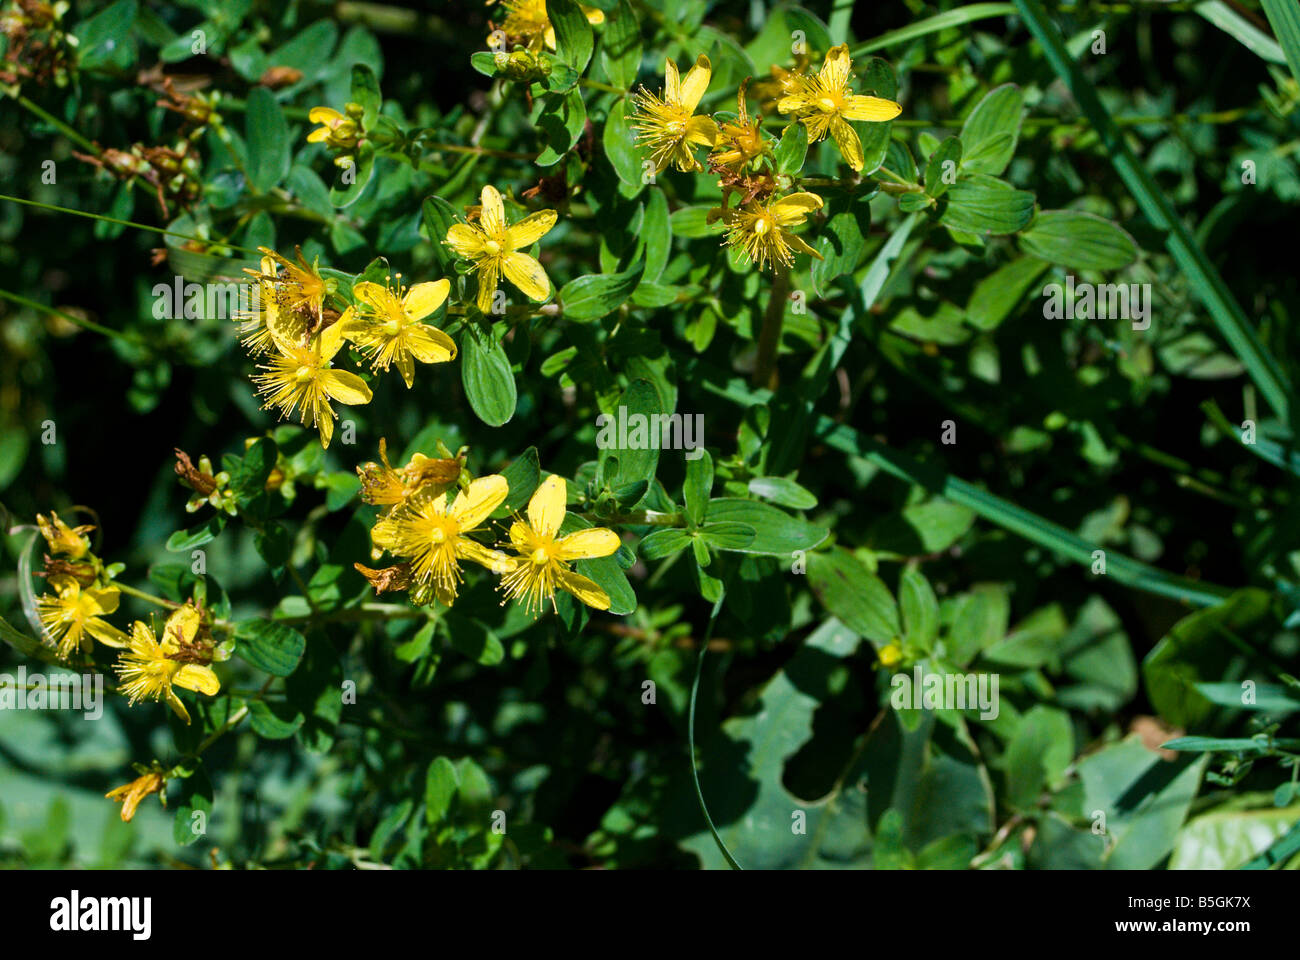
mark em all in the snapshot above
pixel 760 226
pixel 301 319
pixel 435 516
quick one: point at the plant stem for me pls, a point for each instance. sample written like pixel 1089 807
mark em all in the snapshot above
pixel 769 338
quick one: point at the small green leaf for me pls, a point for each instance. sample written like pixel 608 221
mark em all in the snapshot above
pixel 697 486
pixel 197 535
pixel 573 36
pixel 992 129
pixel 440 787
pixel 853 594
pixel 620 46
pixel 269 646
pixel 783 491
pixel 664 543
pixel 941 168
pixel 1081 241
pixel 592 296
pixel 984 205
pixel 792 149
pixel 365 91
pixel 486 375
pixel 267 137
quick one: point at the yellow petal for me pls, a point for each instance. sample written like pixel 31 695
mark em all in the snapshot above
pixel 424 298
pixel 195 677
pixel 695 83
pixel 487 286
pixel 494 560
pixel 546 508
pixel 331 340
pixel 345 387
pixel 846 138
pixel 672 82
pixel 406 367
pixel 797 243
pixel 594 16
pixel 103 601
pixel 471 507
pixel 794 208
pixel 378 297
pixel 182 625
pixel 793 103
pixel 326 427
pixel 324 115
pixel 318 135
pixel 465 240
pixel 531 229
pixel 521 536
pixel 493 215
pixel 701 130
pixel 178 708
pixel 835 70
pixel 429 344
pixel 873 109
pixel 106 633
pixel 582 588
pixel 526 274
pixel 587 544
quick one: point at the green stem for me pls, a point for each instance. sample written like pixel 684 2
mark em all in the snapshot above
pixel 71 318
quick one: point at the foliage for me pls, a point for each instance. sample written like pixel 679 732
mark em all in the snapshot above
pixel 628 413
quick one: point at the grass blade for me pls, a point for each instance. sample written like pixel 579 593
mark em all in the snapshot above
pixel 1284 17
pixel 940 21
pixel 690 736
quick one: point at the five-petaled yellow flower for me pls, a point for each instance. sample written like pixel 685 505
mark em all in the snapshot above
pixel 497 248
pixel 298 376
pixel 433 532
pixel 63 539
pixel 761 230
pixel 543 561
pixel 741 140
pixel 527 20
pixel 387 327
pixel 668 126
pixel 72 616
pixel 150 669
pixel 130 794
pixel 825 103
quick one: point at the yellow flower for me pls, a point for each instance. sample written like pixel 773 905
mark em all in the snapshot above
pixel 295 287
pixel 383 486
pixel 151 669
pixel 543 562
pixel 130 794
pixel 62 539
pixel 388 329
pixel 527 20
pixel 741 141
pixel 260 326
pixel 496 249
pixel 302 376
pixel 890 655
pixel 759 230
pixel 338 131
pixel 668 126
pixel 825 103
pixel 433 533
pixel 73 616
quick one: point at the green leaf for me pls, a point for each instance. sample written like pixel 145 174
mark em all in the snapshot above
pixel 777 534
pixel 664 543
pixel 524 475
pixel 561 120
pixel 573 37
pixel 920 609
pixel 1228 836
pixel 956 17
pixel 365 91
pixel 190 795
pixel 440 786
pixel 941 168
pixel 783 491
pixel 727 536
pixel 274 721
pixel 198 535
pixel 984 205
pixel 592 296
pixel 620 46
pixel 992 129
pixel 842 240
pixel 631 434
pixel 1082 241
pixel 351 181
pixel 439 215
pixel 1038 754
pixel 1284 18
pixel 1194 651
pixel 486 375
pixel 697 486
pixel 1002 291
pixel 254 469
pixel 1237 26
pixel 620 145
pixel 855 596
pixel 473 639
pixel 790 152
pixel 267 137
pixel 269 646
